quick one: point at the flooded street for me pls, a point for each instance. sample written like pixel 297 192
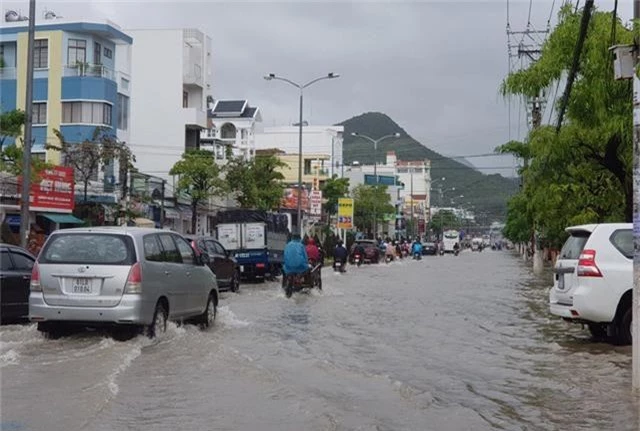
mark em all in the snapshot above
pixel 447 343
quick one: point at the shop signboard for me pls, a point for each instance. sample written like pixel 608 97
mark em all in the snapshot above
pixel 345 213
pixel 315 204
pixel 52 190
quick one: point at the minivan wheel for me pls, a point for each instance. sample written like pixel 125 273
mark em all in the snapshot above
pixel 235 282
pixel 50 330
pixel 598 330
pixel 624 328
pixel 159 324
pixel 208 318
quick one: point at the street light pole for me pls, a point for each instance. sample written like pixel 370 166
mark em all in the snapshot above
pixel 375 169
pixel 635 303
pixel 300 87
pixel 28 108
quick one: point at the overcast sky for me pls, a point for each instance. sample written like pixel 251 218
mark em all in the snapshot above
pixel 433 67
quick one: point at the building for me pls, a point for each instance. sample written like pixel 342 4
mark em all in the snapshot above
pixel 169 99
pixel 315 140
pixel 231 129
pixel 78 82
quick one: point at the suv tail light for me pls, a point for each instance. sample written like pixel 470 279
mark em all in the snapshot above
pixel 587 264
pixel 35 285
pixel 134 281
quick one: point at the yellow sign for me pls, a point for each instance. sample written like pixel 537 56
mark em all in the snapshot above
pixel 345 213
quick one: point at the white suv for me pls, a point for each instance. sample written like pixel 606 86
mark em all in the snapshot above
pixel 593 279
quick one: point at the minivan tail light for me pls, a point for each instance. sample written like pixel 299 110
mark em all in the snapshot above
pixel 587 264
pixel 35 285
pixel 134 281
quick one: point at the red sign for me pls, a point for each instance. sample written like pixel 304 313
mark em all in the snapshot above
pixel 53 189
pixel 290 199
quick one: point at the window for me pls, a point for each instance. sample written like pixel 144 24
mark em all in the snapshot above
pixel 623 241
pixel 108 53
pixel 93 248
pixel 21 261
pixel 307 167
pixel 41 53
pixel 170 252
pixel 123 112
pixel 2 54
pixel 152 250
pixel 97 53
pixel 186 252
pixel 574 245
pixel 76 52
pixel 5 261
pixel 39 113
pixel 86 112
pixel 185 99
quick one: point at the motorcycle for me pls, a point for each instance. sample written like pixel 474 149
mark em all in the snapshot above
pixel 417 256
pixel 388 258
pixel 297 282
pixel 456 252
pixel 357 259
pixel 339 266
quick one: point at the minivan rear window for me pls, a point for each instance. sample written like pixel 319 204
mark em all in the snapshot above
pixel 623 241
pixel 89 248
pixel 573 245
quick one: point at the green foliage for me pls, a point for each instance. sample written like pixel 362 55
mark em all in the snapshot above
pixel 11 123
pixel 583 173
pixel 87 157
pixel 198 179
pixel 444 219
pixel 488 193
pixel 256 183
pixel 367 201
pixel 332 190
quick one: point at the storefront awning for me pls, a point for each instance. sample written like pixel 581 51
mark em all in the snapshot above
pixel 62 218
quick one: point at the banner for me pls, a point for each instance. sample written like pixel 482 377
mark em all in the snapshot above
pixel 290 199
pixel 315 204
pixel 345 213
pixel 53 189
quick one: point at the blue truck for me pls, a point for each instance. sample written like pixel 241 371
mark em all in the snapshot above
pixel 256 239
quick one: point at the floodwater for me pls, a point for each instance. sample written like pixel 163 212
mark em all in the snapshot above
pixel 446 343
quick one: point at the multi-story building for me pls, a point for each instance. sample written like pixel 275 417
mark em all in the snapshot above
pixel 169 101
pixel 316 140
pixel 231 129
pixel 78 82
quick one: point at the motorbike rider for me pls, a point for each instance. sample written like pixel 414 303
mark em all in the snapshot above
pixel 313 252
pixel 390 252
pixel 456 247
pixel 416 247
pixel 359 249
pixel 296 260
pixel 340 253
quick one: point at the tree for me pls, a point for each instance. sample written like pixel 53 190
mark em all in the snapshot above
pixel 370 200
pixel 87 157
pixel 332 190
pixel 256 183
pixel 583 172
pixel 444 219
pixel 11 123
pixel 199 179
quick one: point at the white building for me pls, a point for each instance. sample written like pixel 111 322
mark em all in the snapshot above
pixel 231 128
pixel 168 101
pixel 315 140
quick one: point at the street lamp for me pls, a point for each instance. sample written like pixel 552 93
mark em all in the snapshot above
pixel 375 167
pixel 300 87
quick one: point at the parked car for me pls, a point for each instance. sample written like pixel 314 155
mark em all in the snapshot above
pixel 593 279
pixel 16 264
pixel 124 277
pixel 429 249
pixel 221 262
pixel 372 252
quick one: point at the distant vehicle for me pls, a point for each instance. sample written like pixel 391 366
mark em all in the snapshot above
pixel 450 238
pixel 256 239
pixel 477 244
pixel 221 262
pixel 124 277
pixel 429 249
pixel 371 251
pixel 16 264
pixel 593 279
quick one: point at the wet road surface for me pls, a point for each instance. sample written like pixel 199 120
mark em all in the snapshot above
pixel 446 343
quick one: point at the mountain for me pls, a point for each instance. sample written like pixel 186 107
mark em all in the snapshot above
pixel 487 193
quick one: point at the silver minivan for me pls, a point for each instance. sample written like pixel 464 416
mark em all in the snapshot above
pixel 120 276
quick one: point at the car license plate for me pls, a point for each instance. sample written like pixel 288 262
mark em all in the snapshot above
pixel 241 268
pixel 338 264
pixel 82 286
pixel 561 281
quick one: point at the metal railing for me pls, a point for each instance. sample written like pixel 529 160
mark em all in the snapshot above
pixel 88 69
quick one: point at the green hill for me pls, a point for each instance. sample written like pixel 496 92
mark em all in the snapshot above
pixel 487 193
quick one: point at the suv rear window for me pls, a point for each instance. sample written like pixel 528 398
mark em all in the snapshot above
pixel 574 245
pixel 623 241
pixel 89 248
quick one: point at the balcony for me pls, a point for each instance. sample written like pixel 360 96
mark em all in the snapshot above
pixel 192 75
pixel 194 118
pixel 88 69
pixel 7 73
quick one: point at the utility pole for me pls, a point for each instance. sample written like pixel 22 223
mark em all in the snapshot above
pixel 413 228
pixel 635 319
pixel 28 108
pixel 538 261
